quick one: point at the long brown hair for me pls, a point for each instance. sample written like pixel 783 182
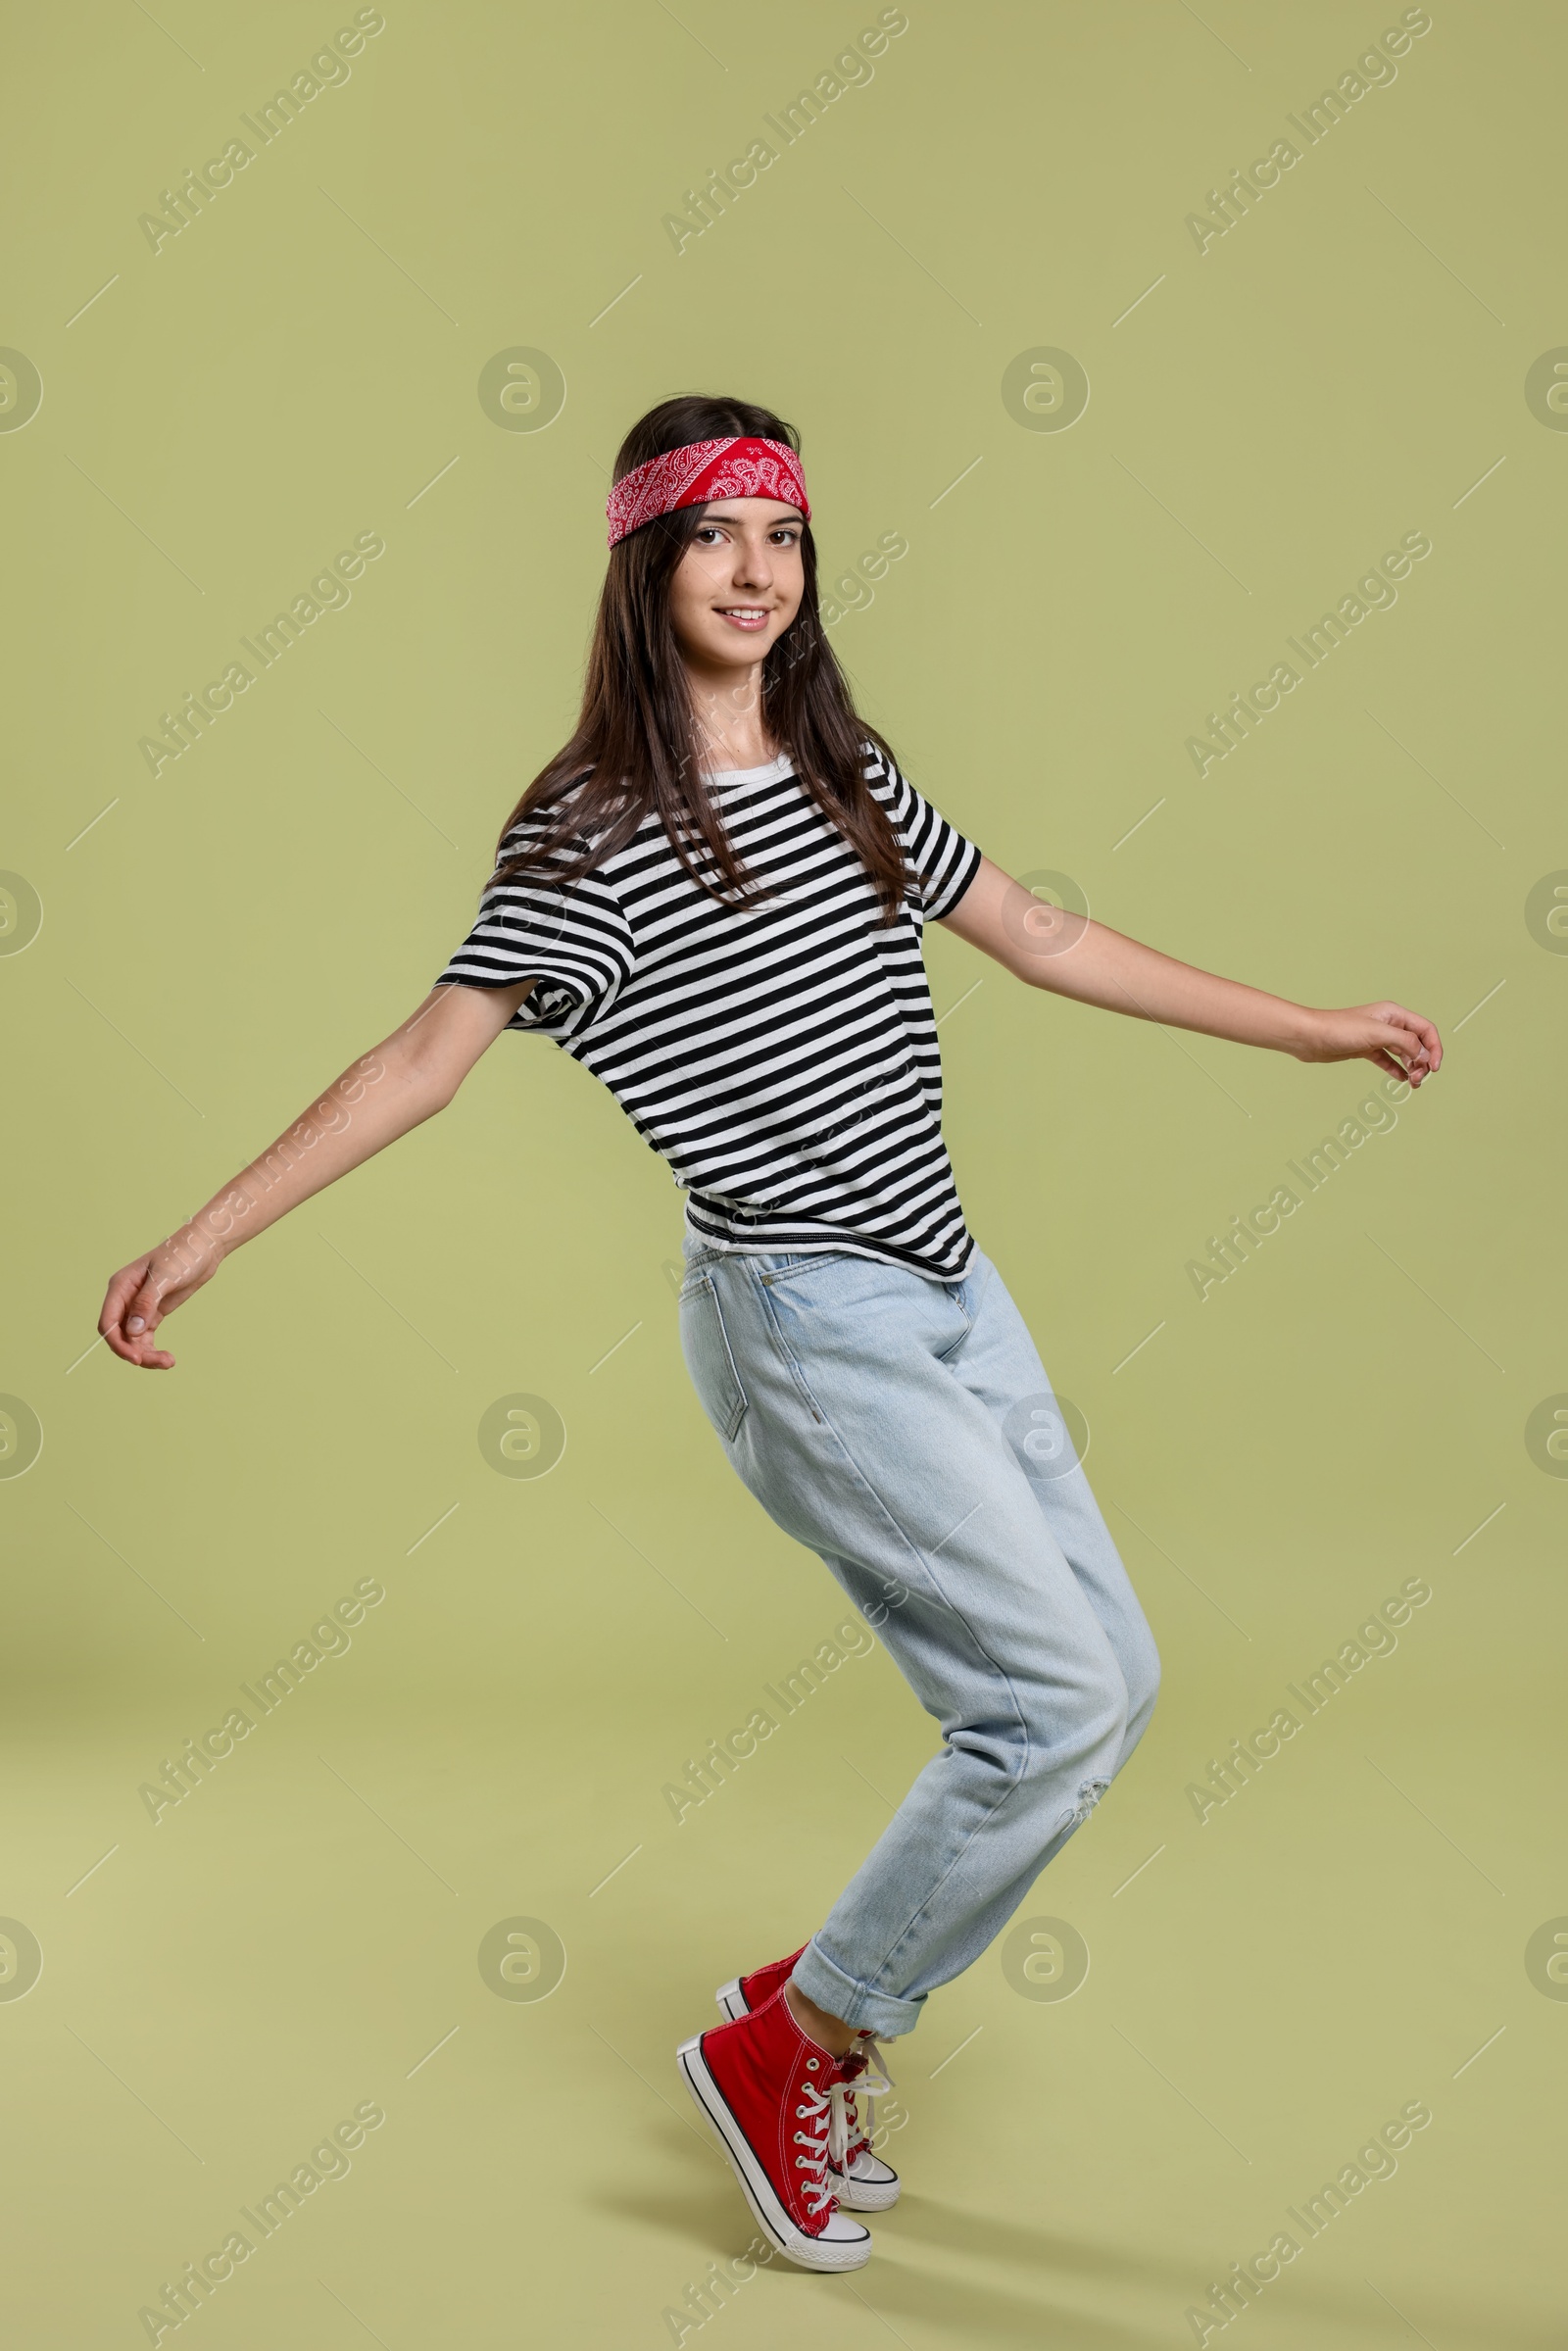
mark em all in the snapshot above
pixel 635 748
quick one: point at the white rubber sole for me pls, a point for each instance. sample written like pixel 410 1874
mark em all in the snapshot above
pixel 844 2246
pixel 731 2002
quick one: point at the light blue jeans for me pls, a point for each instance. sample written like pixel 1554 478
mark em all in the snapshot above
pixel 905 1431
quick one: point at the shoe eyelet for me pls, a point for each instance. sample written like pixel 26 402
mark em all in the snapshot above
pixel 811 2065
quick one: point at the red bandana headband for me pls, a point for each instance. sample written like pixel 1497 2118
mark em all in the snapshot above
pixel 701 472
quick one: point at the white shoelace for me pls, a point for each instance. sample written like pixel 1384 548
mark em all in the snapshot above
pixel 873 2082
pixel 819 2114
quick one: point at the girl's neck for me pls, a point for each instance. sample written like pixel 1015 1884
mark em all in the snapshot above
pixel 727 712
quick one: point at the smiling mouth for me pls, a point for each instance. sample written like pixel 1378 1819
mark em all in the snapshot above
pixel 744 615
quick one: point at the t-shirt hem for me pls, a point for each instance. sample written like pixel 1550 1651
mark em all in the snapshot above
pixel 940 910
pixel 524 1018
pixel 831 1244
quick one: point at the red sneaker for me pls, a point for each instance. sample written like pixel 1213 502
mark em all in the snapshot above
pixel 746 1992
pixel 765 2088
pixel 861 2180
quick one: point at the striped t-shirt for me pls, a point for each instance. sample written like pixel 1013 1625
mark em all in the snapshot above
pixel 781 1057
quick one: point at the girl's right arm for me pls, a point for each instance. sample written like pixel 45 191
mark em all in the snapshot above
pixel 405 1080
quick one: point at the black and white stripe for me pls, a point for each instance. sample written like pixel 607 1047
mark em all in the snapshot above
pixel 782 1058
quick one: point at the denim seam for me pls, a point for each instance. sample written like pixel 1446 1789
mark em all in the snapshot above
pixel 763 1290
pixel 968 1307
pixel 798 1375
pixel 964 1336
pixel 781 1276
pixel 705 1287
pixel 864 1993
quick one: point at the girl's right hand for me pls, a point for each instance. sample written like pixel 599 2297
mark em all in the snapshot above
pixel 141 1294
pixel 411 1075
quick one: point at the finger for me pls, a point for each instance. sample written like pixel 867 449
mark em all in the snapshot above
pixel 1422 1030
pixel 127 1350
pixel 143 1311
pixel 1398 1017
pixel 1429 1037
pixel 120 1290
pixel 141 1354
pixel 1411 1046
pixel 1383 1061
pixel 140 1351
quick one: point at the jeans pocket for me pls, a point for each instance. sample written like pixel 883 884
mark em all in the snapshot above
pixel 704 1342
pixel 694 1263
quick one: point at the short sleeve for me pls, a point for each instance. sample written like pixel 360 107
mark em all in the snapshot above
pixel 942 861
pixel 570 937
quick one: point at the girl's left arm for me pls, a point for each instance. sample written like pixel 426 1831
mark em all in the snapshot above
pixel 1073 956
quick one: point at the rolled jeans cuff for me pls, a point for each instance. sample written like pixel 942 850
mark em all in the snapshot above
pixel 867 2011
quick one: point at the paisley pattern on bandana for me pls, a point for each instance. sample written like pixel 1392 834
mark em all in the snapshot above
pixel 702 471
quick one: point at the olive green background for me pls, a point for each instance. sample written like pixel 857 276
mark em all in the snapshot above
pixel 301 363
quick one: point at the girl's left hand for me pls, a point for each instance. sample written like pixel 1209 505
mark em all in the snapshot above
pixel 1389 1035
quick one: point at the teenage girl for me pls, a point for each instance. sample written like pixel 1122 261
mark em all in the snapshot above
pixel 713 897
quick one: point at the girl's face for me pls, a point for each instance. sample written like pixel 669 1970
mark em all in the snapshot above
pixel 738 584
